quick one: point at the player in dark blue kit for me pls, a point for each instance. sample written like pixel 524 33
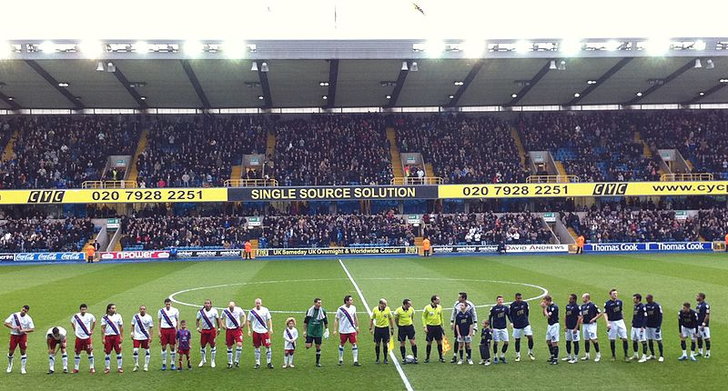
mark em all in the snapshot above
pixel 639 325
pixel 486 336
pixel 688 325
pixel 654 326
pixel 519 322
pixel 703 310
pixel 498 319
pixel 613 310
pixel 572 321
pixel 464 327
pixel 589 315
pixel 551 312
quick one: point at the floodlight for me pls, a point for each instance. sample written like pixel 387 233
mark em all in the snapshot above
pixel 474 48
pixel 523 47
pixel 698 64
pixel 193 47
pixel 90 48
pixel 414 67
pixel 264 67
pixel 254 67
pixel 404 66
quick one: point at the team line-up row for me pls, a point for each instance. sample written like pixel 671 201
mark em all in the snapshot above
pixel 175 337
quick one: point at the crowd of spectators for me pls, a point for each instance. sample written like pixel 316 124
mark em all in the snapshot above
pixel 342 230
pixel 40 234
pixel 332 150
pixel 713 224
pixel 487 228
pixel 612 223
pixel 698 135
pixel 198 151
pixel 65 151
pixel 463 149
pixel 595 146
pixel 161 232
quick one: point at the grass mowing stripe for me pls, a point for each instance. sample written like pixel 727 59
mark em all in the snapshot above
pixel 402 375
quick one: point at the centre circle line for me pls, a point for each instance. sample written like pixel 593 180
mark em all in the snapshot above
pixel 172 297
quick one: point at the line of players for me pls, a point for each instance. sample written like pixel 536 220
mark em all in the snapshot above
pixel 175 337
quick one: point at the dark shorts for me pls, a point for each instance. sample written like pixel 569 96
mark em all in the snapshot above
pixel 434 333
pixel 313 340
pixel 381 334
pixel 405 332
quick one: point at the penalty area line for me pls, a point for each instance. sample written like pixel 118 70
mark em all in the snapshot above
pixel 402 375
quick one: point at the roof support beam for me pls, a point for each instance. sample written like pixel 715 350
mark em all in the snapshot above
pixel 689 65
pixel 589 89
pixel 265 86
pixel 127 86
pixel 710 91
pixel 397 88
pixel 54 83
pixel 531 83
pixel 466 83
pixel 12 103
pixel 195 84
pixel 333 78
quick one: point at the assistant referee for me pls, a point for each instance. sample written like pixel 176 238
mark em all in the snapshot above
pixel 433 320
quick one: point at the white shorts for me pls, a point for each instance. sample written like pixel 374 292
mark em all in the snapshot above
pixel 590 331
pixel 638 335
pixel 618 330
pixel 688 333
pixel 571 335
pixel 519 333
pixel 465 339
pixel 552 332
pixel 654 333
pixel 704 332
pixel 500 335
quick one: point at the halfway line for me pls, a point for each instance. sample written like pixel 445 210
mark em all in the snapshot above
pixel 402 375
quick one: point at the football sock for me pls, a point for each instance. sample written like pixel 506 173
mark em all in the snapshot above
pixel 268 355
pixel 238 353
pixel 428 350
pixel 318 355
pixel 469 352
pixel 518 345
pixel 414 350
pixel 625 347
pixel 613 346
pixel 568 347
pixel 64 360
pixel 355 352
pixel 257 355
pixel 213 353
pixel 403 351
pixel 230 355
pixel 341 353
pixel 652 347
pixel 119 361
pixel 576 348
pixel 376 349
pixel 135 356
pixel 530 344
pixel 505 347
pixel 76 361
pixel 164 357
pixel 51 361
pixel 596 347
pixel 148 356
pixel 23 361
pixel 439 350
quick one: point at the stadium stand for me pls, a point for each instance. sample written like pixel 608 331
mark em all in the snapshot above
pixel 198 151
pixel 699 136
pixel 487 228
pixel 38 234
pixel 328 150
pixel 65 151
pixel 595 146
pixel 463 149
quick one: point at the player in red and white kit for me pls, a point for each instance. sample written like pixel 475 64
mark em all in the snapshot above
pixel 141 335
pixel 260 320
pixel 232 320
pixel 348 327
pixel 168 319
pixel 20 324
pixel 207 323
pixel 113 328
pixel 83 327
pixel 56 340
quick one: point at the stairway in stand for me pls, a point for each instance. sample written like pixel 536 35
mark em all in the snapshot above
pixel 397 170
pixel 519 145
pixel 10 148
pixel 141 147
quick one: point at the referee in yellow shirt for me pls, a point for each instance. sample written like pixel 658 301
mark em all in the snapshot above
pixel 403 318
pixel 383 326
pixel 433 320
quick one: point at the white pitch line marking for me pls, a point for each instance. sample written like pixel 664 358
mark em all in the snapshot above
pixel 402 375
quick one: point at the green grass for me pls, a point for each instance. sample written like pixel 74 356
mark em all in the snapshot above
pixel 54 293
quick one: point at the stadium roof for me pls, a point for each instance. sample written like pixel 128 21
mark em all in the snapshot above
pixel 365 74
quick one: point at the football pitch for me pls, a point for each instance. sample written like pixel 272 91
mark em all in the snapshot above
pixel 287 288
